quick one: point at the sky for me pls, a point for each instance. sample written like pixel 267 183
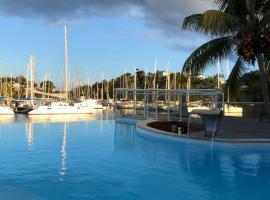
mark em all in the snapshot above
pixel 104 36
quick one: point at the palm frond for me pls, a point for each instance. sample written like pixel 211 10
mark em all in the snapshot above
pixel 208 53
pixel 193 23
pixel 251 5
pixel 265 21
pixel 267 64
pixel 219 23
pixel 237 72
pixel 212 22
pixel 236 8
pixel 266 6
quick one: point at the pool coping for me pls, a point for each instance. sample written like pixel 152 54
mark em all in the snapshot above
pixel 142 124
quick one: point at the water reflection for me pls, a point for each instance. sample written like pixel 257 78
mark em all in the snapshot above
pixel 59 118
pixel 63 152
pixel 124 137
pixel 96 115
pixel 30 140
pixel 4 119
pixel 197 165
pixel 29 134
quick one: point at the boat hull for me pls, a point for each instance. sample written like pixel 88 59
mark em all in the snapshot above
pixel 6 111
pixel 51 111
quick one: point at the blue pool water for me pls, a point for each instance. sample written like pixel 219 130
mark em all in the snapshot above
pixel 99 159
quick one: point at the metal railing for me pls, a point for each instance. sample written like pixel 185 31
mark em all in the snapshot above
pixel 164 104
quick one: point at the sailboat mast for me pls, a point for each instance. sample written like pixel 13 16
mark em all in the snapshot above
pixel 174 84
pixel 27 81
pixel 155 75
pixel 145 76
pixel 113 88
pixel 102 86
pixel 11 86
pixel 168 77
pixel 32 74
pixel 65 61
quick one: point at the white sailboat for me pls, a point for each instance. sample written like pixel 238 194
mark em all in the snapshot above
pixel 61 107
pixel 5 108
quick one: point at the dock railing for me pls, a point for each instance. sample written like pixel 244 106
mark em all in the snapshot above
pixel 164 104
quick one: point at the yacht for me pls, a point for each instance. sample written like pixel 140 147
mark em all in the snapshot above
pixel 90 103
pixel 59 108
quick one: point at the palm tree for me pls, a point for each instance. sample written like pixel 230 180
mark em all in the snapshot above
pixel 239 27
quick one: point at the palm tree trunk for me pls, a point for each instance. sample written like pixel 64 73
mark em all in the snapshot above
pixel 264 83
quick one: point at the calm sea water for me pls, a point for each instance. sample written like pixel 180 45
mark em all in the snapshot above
pixel 98 159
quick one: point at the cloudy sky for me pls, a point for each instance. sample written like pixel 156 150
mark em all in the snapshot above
pixel 108 36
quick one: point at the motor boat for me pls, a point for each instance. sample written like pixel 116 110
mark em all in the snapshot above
pixel 59 108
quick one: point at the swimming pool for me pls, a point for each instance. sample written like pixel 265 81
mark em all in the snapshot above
pixel 99 159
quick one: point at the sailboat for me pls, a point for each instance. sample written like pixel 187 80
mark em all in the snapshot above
pixel 93 103
pixel 61 107
pixel 5 109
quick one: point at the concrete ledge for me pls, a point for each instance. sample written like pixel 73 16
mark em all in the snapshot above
pixel 142 127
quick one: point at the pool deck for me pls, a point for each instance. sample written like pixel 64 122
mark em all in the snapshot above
pixel 239 128
pixel 232 129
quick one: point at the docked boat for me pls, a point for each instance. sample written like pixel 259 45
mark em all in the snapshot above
pixel 4 110
pixel 23 105
pixel 59 108
pixel 90 103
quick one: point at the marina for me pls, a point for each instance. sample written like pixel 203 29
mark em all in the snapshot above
pixel 135 100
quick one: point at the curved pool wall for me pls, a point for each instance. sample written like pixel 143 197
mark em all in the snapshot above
pixel 143 128
pixel 155 136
